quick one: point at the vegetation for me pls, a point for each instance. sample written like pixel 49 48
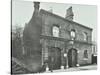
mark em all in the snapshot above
pixel 16 41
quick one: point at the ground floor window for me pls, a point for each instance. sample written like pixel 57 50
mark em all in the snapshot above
pixel 85 54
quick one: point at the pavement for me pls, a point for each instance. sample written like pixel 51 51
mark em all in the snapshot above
pixel 80 68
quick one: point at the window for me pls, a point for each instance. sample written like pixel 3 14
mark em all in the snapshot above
pixel 73 34
pixel 85 54
pixel 55 31
pixel 85 36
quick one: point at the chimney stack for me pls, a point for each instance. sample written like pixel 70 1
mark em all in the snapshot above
pixel 51 10
pixel 69 14
pixel 36 6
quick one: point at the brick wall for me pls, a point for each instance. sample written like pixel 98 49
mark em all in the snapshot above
pixel 65 26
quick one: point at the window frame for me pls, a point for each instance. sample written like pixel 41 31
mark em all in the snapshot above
pixel 73 34
pixel 85 55
pixel 85 36
pixel 56 32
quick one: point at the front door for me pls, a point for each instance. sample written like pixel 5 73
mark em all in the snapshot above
pixel 72 57
pixel 54 58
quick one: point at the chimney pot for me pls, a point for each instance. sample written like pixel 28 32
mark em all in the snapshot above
pixel 36 5
pixel 69 13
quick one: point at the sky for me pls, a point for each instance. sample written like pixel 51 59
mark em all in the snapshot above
pixel 84 14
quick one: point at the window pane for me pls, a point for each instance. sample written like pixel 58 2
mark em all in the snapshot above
pixel 85 36
pixel 55 31
pixel 85 54
pixel 73 33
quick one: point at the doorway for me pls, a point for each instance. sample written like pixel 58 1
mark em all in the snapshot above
pixel 72 57
pixel 54 58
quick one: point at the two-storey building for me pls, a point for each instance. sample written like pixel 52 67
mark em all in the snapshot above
pixel 50 38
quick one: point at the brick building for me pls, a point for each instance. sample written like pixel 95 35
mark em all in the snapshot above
pixel 54 38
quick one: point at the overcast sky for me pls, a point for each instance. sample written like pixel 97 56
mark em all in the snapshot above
pixel 84 14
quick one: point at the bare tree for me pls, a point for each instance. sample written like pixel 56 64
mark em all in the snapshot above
pixel 17 33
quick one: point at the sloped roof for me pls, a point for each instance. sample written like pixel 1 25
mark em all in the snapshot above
pixel 52 14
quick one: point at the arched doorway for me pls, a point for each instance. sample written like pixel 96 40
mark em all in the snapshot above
pixel 72 57
pixel 54 58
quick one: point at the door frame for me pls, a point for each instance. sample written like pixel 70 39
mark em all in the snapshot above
pixel 51 56
pixel 70 62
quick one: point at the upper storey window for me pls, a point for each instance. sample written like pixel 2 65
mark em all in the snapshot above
pixel 55 31
pixel 85 36
pixel 73 34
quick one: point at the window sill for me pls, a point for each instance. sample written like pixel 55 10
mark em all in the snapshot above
pixel 85 59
